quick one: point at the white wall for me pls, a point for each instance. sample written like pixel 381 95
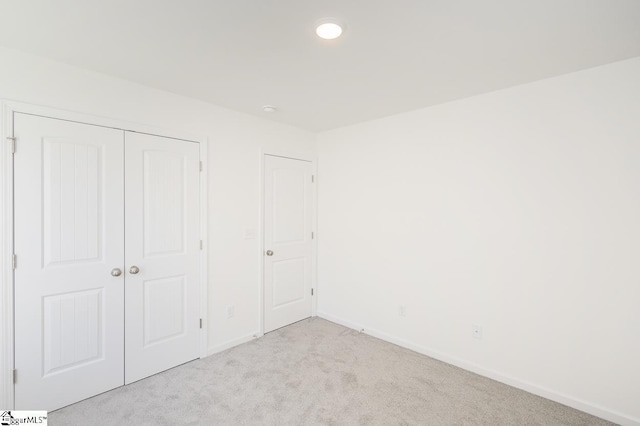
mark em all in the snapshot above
pixel 235 144
pixel 518 211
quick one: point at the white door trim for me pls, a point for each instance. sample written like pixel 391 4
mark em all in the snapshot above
pixel 6 250
pixel 6 222
pixel 314 220
pixel 204 258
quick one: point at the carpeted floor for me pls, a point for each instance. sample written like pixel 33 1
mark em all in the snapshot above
pixel 318 373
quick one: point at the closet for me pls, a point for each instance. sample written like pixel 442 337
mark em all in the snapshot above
pixel 106 237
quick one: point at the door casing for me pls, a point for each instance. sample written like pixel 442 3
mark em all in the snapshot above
pixel 7 222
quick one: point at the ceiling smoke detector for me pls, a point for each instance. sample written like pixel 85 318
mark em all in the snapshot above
pixel 328 28
pixel 269 108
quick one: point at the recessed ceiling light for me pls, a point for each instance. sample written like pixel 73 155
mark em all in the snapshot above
pixel 328 28
pixel 269 108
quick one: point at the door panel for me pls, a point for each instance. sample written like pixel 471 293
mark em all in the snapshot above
pixel 289 187
pixel 287 232
pixel 287 286
pixel 69 235
pixel 165 202
pixel 71 201
pixel 164 309
pixel 162 241
pixel 73 329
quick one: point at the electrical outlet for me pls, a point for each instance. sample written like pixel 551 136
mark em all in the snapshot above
pixel 402 310
pixel 231 311
pixel 476 331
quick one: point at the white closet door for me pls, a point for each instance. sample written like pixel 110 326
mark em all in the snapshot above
pixel 162 254
pixel 69 238
pixel 287 239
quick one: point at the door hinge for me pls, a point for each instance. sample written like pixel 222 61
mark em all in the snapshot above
pixel 312 292
pixel 200 322
pixel 312 236
pixel 201 244
pixel 313 178
pixel 14 373
pixel 201 166
pixel 12 141
pixel 14 261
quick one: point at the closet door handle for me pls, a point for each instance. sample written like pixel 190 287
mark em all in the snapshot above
pixel 115 272
pixel 134 270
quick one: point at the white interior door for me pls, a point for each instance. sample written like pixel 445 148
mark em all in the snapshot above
pixel 69 239
pixel 162 253
pixel 287 241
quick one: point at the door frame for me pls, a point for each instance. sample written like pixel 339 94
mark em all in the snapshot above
pixel 314 224
pixel 8 108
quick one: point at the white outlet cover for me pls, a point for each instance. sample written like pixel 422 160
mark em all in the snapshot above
pixel 231 310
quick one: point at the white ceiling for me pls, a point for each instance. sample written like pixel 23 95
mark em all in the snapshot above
pixel 394 56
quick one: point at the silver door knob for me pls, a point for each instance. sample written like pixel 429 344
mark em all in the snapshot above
pixel 269 252
pixel 115 272
pixel 134 270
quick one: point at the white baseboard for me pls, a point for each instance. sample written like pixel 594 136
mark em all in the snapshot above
pixel 567 400
pixel 231 343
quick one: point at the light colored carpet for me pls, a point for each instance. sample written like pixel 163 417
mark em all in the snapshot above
pixel 318 373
